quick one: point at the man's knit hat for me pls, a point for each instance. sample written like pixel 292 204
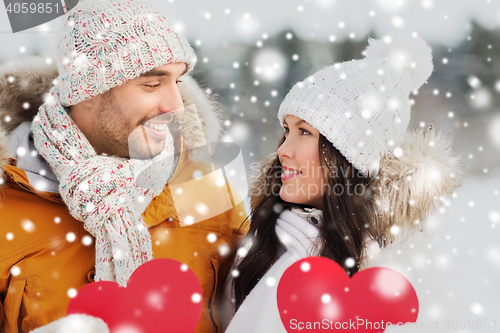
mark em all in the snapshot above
pixel 362 106
pixel 105 43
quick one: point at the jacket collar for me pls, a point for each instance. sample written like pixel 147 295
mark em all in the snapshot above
pixel 20 175
pixel 163 204
pixel 18 178
pixel 38 171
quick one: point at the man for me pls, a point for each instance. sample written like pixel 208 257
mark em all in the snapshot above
pixel 71 209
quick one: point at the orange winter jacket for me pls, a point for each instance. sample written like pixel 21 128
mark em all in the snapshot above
pixel 41 260
pixel 43 254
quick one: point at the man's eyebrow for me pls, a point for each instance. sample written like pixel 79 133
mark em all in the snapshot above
pixel 159 72
pixel 156 72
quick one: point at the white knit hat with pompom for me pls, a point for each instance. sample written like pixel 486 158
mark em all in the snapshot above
pixel 104 43
pixel 362 106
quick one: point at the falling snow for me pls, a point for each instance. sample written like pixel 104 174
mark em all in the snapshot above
pixel 250 63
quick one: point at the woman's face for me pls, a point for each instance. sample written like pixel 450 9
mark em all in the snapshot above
pixel 302 177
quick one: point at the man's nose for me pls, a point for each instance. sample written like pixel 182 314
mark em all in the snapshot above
pixel 171 101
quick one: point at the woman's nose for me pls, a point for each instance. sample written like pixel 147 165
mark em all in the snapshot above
pixel 286 149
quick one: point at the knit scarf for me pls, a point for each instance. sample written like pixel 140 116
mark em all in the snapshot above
pixel 101 191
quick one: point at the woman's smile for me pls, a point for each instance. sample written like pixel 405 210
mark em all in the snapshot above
pixel 289 173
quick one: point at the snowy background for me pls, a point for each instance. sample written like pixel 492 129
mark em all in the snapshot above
pixel 251 53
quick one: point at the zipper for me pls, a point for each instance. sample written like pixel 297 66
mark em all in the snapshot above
pixel 212 296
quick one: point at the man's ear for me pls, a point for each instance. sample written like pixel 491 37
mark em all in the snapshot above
pixel 82 112
pixel 90 103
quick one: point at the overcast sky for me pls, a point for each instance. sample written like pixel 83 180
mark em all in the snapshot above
pixel 211 22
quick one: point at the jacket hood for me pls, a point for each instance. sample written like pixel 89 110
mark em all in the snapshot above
pixel 409 187
pixel 24 82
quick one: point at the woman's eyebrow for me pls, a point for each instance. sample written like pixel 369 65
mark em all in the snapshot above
pixel 300 122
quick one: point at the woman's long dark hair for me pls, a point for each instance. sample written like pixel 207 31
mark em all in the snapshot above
pixel 347 213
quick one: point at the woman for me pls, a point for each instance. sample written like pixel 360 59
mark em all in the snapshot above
pixel 348 179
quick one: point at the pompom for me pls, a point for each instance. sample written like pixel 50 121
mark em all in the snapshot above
pixel 404 51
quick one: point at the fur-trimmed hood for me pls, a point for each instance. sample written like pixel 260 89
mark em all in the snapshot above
pixel 24 82
pixel 409 187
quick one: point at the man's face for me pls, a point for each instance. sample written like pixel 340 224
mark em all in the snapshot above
pixel 131 120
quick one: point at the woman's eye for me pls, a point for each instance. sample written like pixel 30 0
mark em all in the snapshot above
pixel 153 86
pixel 287 130
pixel 178 81
pixel 304 132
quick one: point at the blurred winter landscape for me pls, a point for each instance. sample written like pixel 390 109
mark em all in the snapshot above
pixel 251 53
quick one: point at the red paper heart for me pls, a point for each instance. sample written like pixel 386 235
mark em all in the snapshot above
pixel 317 290
pixel 162 295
